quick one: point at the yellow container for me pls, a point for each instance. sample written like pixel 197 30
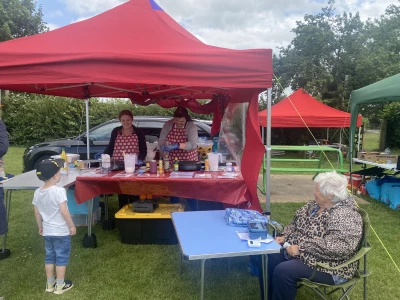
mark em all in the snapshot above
pixel 148 228
pixel 162 212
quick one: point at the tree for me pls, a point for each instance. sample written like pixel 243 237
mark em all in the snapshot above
pixel 380 57
pixel 331 55
pixel 323 52
pixel 20 18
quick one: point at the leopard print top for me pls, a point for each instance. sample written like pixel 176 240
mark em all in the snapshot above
pixel 331 237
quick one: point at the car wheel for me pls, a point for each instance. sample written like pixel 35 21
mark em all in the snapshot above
pixel 37 162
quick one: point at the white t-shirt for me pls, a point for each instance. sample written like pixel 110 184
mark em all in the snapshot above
pixel 48 203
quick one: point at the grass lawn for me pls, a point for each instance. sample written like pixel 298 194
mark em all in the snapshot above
pixel 118 271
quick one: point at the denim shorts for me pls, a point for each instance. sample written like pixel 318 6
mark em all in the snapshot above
pixel 58 249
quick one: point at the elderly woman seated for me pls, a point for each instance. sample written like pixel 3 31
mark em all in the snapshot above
pixel 326 230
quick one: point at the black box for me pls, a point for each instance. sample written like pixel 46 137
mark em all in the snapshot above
pixel 147 228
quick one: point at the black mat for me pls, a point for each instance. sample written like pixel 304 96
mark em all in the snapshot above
pixel 374 171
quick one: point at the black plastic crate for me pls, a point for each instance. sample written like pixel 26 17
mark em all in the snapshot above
pixel 147 228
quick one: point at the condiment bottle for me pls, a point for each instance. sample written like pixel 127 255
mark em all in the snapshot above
pixel 64 169
pixel 206 165
pixel 176 164
pixel 160 166
pixel 166 162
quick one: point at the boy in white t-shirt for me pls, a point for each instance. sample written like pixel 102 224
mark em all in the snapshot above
pixel 55 225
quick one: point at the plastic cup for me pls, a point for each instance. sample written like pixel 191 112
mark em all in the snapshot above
pixel 129 163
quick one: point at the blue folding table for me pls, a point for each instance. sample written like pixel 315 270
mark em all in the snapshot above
pixel 205 234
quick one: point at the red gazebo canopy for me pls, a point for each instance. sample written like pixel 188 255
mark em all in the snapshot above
pixel 135 47
pixel 136 50
pixel 287 112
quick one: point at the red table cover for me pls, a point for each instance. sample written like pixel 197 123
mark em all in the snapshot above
pixel 226 190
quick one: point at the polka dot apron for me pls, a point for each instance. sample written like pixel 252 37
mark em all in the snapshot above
pixel 178 135
pixel 125 143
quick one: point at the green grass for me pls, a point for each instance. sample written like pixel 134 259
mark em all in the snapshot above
pixel 371 141
pixel 118 271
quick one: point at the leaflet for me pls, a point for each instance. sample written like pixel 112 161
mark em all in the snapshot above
pixel 202 175
pixel 245 237
pixel 181 175
pixel 123 175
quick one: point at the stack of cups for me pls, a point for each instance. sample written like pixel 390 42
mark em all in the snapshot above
pixel 105 163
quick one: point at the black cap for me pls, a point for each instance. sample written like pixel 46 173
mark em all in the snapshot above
pixel 46 169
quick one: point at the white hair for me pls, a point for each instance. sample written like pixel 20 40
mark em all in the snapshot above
pixel 333 186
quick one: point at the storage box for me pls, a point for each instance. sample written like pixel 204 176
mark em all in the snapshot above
pixel 148 228
pixel 71 157
pixel 82 220
pixel 80 209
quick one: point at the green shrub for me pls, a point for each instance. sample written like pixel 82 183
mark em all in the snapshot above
pixel 391 113
pixel 32 118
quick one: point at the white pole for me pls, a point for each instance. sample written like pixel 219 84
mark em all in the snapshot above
pixel 87 130
pixel 359 139
pixel 268 156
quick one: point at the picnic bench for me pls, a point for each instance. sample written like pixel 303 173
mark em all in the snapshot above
pixel 312 169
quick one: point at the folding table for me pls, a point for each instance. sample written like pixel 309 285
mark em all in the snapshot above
pixel 205 234
pixel 27 181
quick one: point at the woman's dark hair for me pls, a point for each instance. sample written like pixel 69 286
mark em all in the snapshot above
pixel 125 112
pixel 182 112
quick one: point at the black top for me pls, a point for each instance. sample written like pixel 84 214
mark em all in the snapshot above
pixel 142 142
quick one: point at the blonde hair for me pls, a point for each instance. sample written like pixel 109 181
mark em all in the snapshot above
pixel 333 186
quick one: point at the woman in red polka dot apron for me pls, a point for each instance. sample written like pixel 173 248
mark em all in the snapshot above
pixel 129 140
pixel 177 135
pixel 179 138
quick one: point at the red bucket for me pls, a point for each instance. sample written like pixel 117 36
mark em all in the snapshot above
pixel 357 179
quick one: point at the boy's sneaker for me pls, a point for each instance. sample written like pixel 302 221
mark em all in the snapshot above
pixel 63 288
pixel 50 287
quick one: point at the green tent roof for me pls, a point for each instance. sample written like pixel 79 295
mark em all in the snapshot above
pixel 385 90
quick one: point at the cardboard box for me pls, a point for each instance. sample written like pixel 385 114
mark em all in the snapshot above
pixel 385 158
pixel 82 220
pixel 378 158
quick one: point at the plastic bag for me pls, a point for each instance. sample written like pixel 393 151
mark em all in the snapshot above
pixel 240 217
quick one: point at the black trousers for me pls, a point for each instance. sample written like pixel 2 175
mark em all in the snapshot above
pixel 283 276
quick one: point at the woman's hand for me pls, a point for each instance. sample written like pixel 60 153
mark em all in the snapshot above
pixel 293 250
pixel 172 147
pixel 280 239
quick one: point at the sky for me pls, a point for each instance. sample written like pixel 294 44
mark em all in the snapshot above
pixel 235 24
